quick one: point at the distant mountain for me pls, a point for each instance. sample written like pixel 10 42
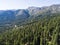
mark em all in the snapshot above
pixel 21 16
pixel 46 9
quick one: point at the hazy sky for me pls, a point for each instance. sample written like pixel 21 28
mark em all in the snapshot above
pixel 22 4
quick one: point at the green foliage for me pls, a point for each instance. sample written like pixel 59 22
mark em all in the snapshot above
pixel 42 32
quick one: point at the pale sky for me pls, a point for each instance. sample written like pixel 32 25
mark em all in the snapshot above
pixel 23 4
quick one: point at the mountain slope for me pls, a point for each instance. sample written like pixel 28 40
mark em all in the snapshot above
pixel 42 32
pixel 10 18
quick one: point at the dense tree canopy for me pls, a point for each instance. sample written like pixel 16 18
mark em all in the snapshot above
pixel 45 31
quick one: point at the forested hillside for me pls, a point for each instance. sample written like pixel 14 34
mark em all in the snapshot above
pixel 10 18
pixel 40 31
